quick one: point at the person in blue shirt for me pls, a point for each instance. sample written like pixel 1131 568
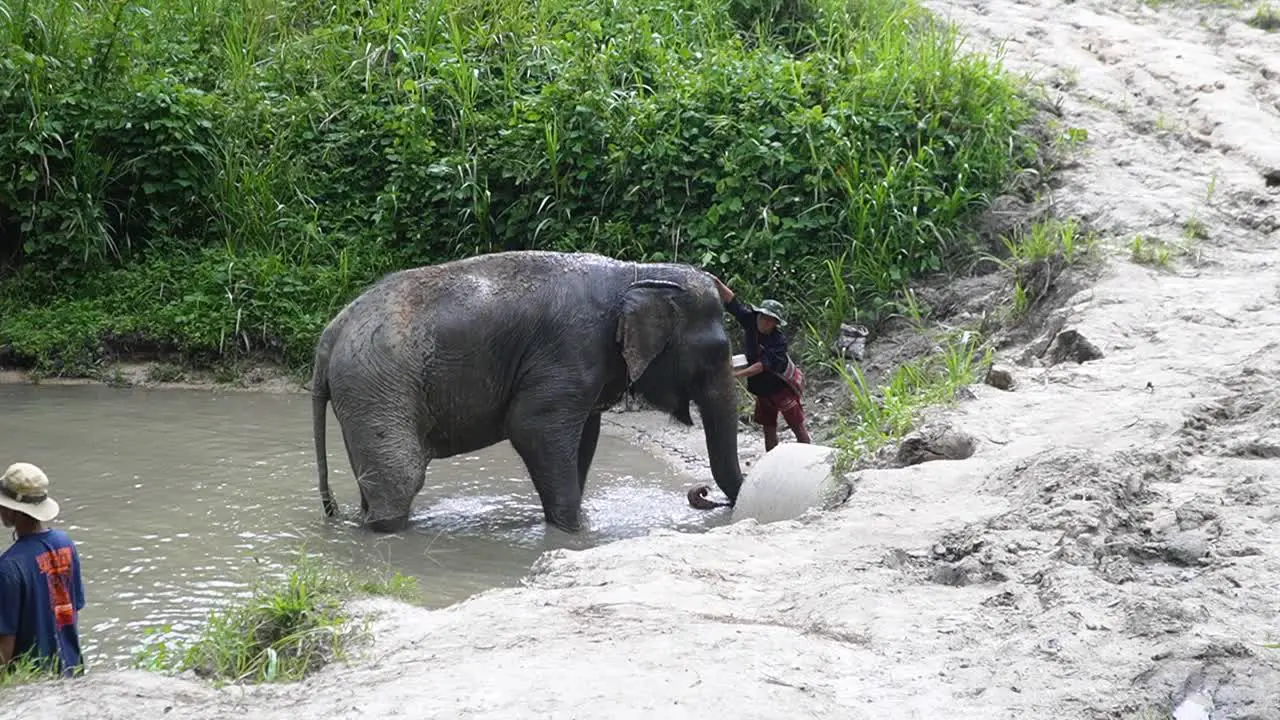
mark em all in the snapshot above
pixel 41 594
pixel 775 381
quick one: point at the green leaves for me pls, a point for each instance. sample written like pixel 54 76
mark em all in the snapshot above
pixel 757 137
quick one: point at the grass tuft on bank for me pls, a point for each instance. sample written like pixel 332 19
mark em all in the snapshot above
pixel 1035 261
pixel 1265 17
pixel 285 630
pixel 216 178
pixel 25 670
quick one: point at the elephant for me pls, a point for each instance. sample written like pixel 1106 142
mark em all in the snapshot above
pixel 528 346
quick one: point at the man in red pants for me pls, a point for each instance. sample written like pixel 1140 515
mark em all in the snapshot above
pixel 772 378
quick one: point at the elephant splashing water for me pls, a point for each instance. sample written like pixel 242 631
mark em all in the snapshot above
pixel 525 346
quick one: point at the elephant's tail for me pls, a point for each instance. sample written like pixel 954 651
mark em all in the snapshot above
pixel 319 408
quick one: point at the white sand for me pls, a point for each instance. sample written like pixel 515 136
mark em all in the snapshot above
pixel 1087 490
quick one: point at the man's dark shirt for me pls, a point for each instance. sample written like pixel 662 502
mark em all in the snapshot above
pixel 41 594
pixel 770 350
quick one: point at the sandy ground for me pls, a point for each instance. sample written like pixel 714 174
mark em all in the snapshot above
pixel 1112 549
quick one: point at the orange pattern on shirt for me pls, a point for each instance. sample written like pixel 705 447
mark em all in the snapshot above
pixel 56 566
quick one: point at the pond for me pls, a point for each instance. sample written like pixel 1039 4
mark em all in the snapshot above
pixel 179 499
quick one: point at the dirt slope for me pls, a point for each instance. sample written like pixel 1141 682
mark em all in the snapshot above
pixel 1112 547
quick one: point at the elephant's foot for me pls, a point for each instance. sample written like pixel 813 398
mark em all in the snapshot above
pixel 565 521
pixel 389 525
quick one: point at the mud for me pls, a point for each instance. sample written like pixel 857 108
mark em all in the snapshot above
pixel 1109 550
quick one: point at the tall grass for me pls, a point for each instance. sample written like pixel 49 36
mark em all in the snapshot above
pixel 880 415
pixel 222 174
pixel 26 669
pixel 286 629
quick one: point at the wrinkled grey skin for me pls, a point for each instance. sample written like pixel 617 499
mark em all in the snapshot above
pixel 526 346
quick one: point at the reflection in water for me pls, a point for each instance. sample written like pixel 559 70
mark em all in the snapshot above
pixel 178 500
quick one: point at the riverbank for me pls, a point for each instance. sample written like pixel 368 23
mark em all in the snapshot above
pixel 1110 550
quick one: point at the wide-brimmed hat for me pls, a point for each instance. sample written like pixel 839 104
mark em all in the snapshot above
pixel 773 309
pixel 25 488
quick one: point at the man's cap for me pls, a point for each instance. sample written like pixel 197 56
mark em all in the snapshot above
pixel 25 488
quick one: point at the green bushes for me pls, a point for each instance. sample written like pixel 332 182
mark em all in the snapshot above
pixel 223 174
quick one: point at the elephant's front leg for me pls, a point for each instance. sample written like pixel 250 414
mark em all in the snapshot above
pixel 587 448
pixel 548 441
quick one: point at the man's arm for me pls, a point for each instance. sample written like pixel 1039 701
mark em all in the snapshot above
pixel 774 358
pixel 77 583
pixel 743 314
pixel 8 617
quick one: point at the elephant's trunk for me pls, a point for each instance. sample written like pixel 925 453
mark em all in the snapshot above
pixel 719 412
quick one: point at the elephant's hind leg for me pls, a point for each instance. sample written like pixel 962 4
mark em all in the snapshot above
pixel 351 457
pixel 390 467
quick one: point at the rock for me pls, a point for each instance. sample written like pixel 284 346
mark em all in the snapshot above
pixel 1272 177
pixel 1116 570
pixel 851 344
pixel 788 481
pixel 936 443
pixel 1004 598
pixel 1187 548
pixel 1255 449
pixel 1071 345
pixel 954 575
pixel 1052 327
pixel 1194 513
pixel 999 378
pixel 896 559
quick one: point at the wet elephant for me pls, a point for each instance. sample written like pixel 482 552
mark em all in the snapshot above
pixel 525 346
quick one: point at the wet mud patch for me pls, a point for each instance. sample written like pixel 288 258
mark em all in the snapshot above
pixel 1070 506
pixel 1242 424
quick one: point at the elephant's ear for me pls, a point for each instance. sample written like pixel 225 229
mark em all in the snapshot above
pixel 647 322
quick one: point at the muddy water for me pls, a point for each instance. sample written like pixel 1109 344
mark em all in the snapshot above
pixel 178 500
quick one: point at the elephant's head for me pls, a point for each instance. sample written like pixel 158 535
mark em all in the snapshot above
pixel 673 341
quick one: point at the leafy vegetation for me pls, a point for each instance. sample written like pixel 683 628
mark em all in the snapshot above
pixel 1265 18
pixel 218 177
pixel 1039 254
pixel 882 415
pixel 285 630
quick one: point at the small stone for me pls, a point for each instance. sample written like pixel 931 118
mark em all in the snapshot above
pixel 1187 548
pixel 895 559
pixel 1004 598
pixel 999 378
pixel 939 443
pixel 1192 514
pixel 1071 345
pixel 1272 177
pixel 950 575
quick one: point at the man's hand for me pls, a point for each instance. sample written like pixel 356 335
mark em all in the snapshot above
pixel 725 293
pixel 754 368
